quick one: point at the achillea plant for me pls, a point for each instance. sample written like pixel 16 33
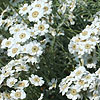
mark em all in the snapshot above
pixel 49 50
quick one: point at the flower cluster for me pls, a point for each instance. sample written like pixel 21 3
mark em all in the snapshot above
pixel 10 77
pixel 81 82
pixel 83 45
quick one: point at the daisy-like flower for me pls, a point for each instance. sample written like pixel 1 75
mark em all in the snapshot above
pixel 7 96
pixel 38 4
pixel 41 27
pixel 15 28
pixel 15 50
pixel 88 47
pixel 35 14
pixel 11 82
pixel 32 59
pixel 63 88
pixel 94 40
pixel 36 80
pixel 22 67
pixel 35 48
pixel 22 36
pixel 33 33
pixel 7 43
pixel 22 84
pixel 72 5
pixel 24 10
pixel 78 72
pixel 8 73
pixel 18 94
pixel 81 84
pixel 73 47
pixel 73 93
pixel 85 34
pixel 47 8
pixel 52 84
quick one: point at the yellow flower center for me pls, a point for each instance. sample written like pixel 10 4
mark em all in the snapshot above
pixel 8 95
pixel 73 92
pixel 25 8
pixel 36 79
pixel 12 83
pixel 22 35
pixel 8 43
pixel 81 82
pixel 41 27
pixel 92 40
pixel 35 14
pixel 77 40
pixel 64 86
pixel 87 46
pixel 17 94
pixel 35 49
pixel 21 84
pixel 45 8
pixel 74 47
pixel 22 67
pixel 84 33
pixel 32 33
pixel 78 73
pixel 17 29
pixel 87 76
pixel 38 5
pixel 14 50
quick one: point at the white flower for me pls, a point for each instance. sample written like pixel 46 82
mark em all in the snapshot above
pixel 73 47
pixel 32 59
pixel 7 43
pixel 81 84
pixel 52 84
pixel 78 72
pixel 11 82
pixel 64 88
pixel 22 36
pixel 23 10
pixel 15 50
pixel 47 8
pixel 73 93
pixel 7 96
pixel 85 34
pixel 22 84
pixel 22 67
pixel 35 48
pixel 36 80
pixel 94 40
pixel 18 94
pixel 88 47
pixel 38 4
pixel 15 28
pixel 33 33
pixel 41 27
pixel 9 72
pixel 35 14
